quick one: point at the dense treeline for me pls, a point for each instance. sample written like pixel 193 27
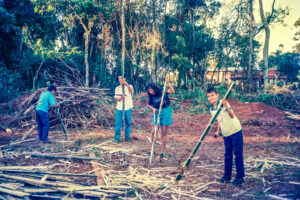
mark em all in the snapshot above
pixel 59 41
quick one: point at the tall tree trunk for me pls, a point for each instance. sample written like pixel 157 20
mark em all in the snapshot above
pixel 266 44
pixel 67 38
pixel 86 57
pixel 20 49
pixel 205 58
pixel 191 16
pixel 87 34
pixel 153 63
pixel 36 75
pixel 249 81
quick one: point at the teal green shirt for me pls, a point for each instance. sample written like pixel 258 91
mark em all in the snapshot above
pixel 46 99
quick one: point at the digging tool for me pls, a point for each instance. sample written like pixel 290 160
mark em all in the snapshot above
pixel 213 119
pixel 61 122
pixel 157 122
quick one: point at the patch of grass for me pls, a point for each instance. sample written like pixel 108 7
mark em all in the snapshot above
pixel 176 107
pixel 144 149
pixel 140 130
pixel 58 148
pixel 26 148
pixel 296 174
pixel 279 168
pixel 290 149
pixel 92 140
pixel 270 141
pixel 106 139
pixel 268 192
pixel 258 168
pixel 145 111
pixel 259 194
pixel 219 194
pixel 258 181
pixel 96 152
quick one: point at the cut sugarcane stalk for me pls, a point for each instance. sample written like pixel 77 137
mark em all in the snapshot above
pixel 61 122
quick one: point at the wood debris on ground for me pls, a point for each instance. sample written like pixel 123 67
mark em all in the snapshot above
pixel 80 107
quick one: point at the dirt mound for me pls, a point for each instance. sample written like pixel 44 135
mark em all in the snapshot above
pixel 257 110
pixel 257 119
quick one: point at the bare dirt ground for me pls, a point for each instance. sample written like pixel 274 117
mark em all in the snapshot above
pixel 271 156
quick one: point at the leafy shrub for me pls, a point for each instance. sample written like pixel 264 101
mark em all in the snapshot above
pixel 200 104
pixel 8 83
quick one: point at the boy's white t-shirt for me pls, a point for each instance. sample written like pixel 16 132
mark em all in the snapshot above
pixel 128 97
pixel 227 124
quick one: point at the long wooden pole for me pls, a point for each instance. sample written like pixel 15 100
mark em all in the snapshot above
pixel 157 122
pixel 50 156
pixel 123 59
pixel 213 119
pixel 28 132
pixel 61 122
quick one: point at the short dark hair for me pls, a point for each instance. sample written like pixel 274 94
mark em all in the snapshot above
pixel 120 75
pixel 211 90
pixel 51 88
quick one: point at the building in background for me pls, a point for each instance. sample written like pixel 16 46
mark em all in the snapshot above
pixel 238 76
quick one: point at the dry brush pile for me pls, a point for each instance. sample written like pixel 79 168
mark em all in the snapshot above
pixel 79 107
pixel 286 99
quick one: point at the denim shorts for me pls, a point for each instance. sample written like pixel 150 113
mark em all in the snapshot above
pixel 165 118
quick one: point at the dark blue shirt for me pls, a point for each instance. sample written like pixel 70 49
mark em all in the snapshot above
pixel 154 100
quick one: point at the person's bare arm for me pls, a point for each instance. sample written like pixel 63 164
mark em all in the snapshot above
pixel 217 134
pixel 152 108
pixel 171 88
pixel 129 88
pixel 225 104
pixel 124 82
pixel 120 98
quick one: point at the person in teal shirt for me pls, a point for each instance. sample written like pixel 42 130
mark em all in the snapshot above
pixel 46 98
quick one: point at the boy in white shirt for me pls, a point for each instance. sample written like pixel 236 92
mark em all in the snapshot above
pixel 127 97
pixel 232 135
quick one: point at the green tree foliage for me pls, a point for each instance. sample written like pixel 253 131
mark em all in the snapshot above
pixel 188 41
pixel 286 63
pixel 80 41
pixel 297 36
pixel 8 32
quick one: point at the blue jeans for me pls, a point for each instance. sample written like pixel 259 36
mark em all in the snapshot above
pixel 234 143
pixel 119 124
pixel 42 120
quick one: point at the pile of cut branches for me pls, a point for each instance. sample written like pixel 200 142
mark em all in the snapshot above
pixel 79 107
pixel 287 99
pixel 30 182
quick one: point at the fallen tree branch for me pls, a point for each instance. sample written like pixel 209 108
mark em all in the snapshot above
pixel 46 173
pixel 62 157
pixel 16 143
pixel 28 132
pixel 14 192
